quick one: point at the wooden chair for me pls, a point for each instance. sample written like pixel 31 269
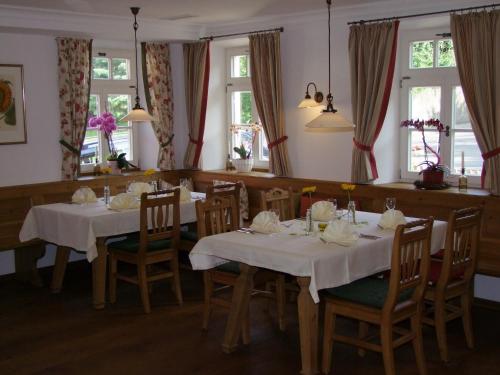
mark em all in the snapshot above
pixel 218 214
pixel 451 277
pixel 385 302
pixel 157 242
pixel 281 200
pixel 189 238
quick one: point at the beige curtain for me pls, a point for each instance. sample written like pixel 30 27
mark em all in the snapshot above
pixel 196 75
pixel 157 76
pixel 74 69
pixel 265 71
pixel 476 39
pixel 372 56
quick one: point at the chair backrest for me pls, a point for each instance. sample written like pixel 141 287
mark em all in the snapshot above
pixel 225 190
pixel 461 247
pixel 410 263
pixel 217 214
pixel 159 218
pixel 279 199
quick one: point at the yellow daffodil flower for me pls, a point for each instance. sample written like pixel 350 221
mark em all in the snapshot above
pixel 309 189
pixel 149 172
pixel 106 170
pixel 348 187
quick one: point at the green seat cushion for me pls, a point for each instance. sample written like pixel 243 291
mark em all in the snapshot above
pixel 189 236
pixel 368 291
pixel 231 267
pixel 131 244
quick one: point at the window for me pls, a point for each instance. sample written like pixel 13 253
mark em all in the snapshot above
pixel 431 89
pixel 241 110
pixel 112 90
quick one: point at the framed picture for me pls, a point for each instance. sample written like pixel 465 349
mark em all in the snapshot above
pixel 12 113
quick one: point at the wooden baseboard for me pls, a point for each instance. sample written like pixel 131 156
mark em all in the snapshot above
pixel 487 304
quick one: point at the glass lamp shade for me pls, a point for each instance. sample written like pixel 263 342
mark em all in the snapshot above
pixel 137 114
pixel 331 120
pixel 308 103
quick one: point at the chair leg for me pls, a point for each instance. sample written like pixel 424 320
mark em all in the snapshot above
pixel 208 290
pixel 418 344
pixel 112 277
pixel 329 330
pixel 440 323
pixel 143 287
pixel 281 301
pixel 466 301
pixel 387 347
pixel 362 332
pixel 174 264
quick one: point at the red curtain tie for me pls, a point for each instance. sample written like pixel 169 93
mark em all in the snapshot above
pixel 361 146
pixel 486 156
pixel 277 142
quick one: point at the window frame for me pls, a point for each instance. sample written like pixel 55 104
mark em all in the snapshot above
pixel 106 87
pixel 235 84
pixel 447 79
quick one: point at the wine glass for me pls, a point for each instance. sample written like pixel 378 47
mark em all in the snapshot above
pixel 276 211
pixel 390 203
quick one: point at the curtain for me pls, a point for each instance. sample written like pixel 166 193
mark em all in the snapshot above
pixel 476 40
pixel 74 69
pixel 372 57
pixel 196 75
pixel 265 71
pixel 157 77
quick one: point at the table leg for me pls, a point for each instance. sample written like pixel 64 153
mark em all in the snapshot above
pixel 239 307
pixel 62 256
pixel 308 328
pixel 99 274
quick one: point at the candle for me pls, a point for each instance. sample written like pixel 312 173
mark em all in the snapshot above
pixel 463 165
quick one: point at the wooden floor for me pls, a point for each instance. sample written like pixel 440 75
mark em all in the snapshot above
pixel 42 333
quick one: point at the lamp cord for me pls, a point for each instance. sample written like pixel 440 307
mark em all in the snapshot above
pixel 329 2
pixel 137 99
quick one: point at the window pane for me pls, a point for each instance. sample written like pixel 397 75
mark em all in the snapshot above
pixel 119 106
pixel 121 140
pixel 90 148
pixel 264 150
pixel 240 66
pixel 446 56
pixel 473 162
pixel 120 68
pixel 100 68
pixel 241 137
pixel 241 107
pixel 425 102
pixel 417 152
pixel 460 118
pixel 422 54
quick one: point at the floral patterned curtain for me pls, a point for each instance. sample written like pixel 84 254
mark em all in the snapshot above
pixel 74 68
pixel 157 77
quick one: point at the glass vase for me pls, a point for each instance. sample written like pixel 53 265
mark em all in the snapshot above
pixel 351 212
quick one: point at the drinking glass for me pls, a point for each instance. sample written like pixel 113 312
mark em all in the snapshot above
pixel 276 212
pixel 130 182
pixel 390 203
pixel 334 208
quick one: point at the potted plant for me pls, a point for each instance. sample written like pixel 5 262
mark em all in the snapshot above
pixel 107 124
pixel 245 162
pixel 432 172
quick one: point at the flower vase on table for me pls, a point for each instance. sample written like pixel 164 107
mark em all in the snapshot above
pixel 107 190
pixel 351 212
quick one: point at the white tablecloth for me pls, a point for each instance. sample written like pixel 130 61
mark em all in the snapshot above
pixel 290 251
pixel 79 225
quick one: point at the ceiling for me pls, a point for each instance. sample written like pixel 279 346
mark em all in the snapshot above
pixel 192 11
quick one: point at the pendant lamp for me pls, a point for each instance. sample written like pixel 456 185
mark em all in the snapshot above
pixel 137 113
pixel 330 117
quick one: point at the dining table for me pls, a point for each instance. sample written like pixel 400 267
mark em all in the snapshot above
pixel 86 228
pixel 317 264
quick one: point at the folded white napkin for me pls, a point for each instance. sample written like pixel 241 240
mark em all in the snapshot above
pixel 390 219
pixel 322 211
pixel 340 232
pixel 84 195
pixel 137 188
pixel 124 201
pixel 266 222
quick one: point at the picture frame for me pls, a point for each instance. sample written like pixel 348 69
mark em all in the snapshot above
pixel 12 105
